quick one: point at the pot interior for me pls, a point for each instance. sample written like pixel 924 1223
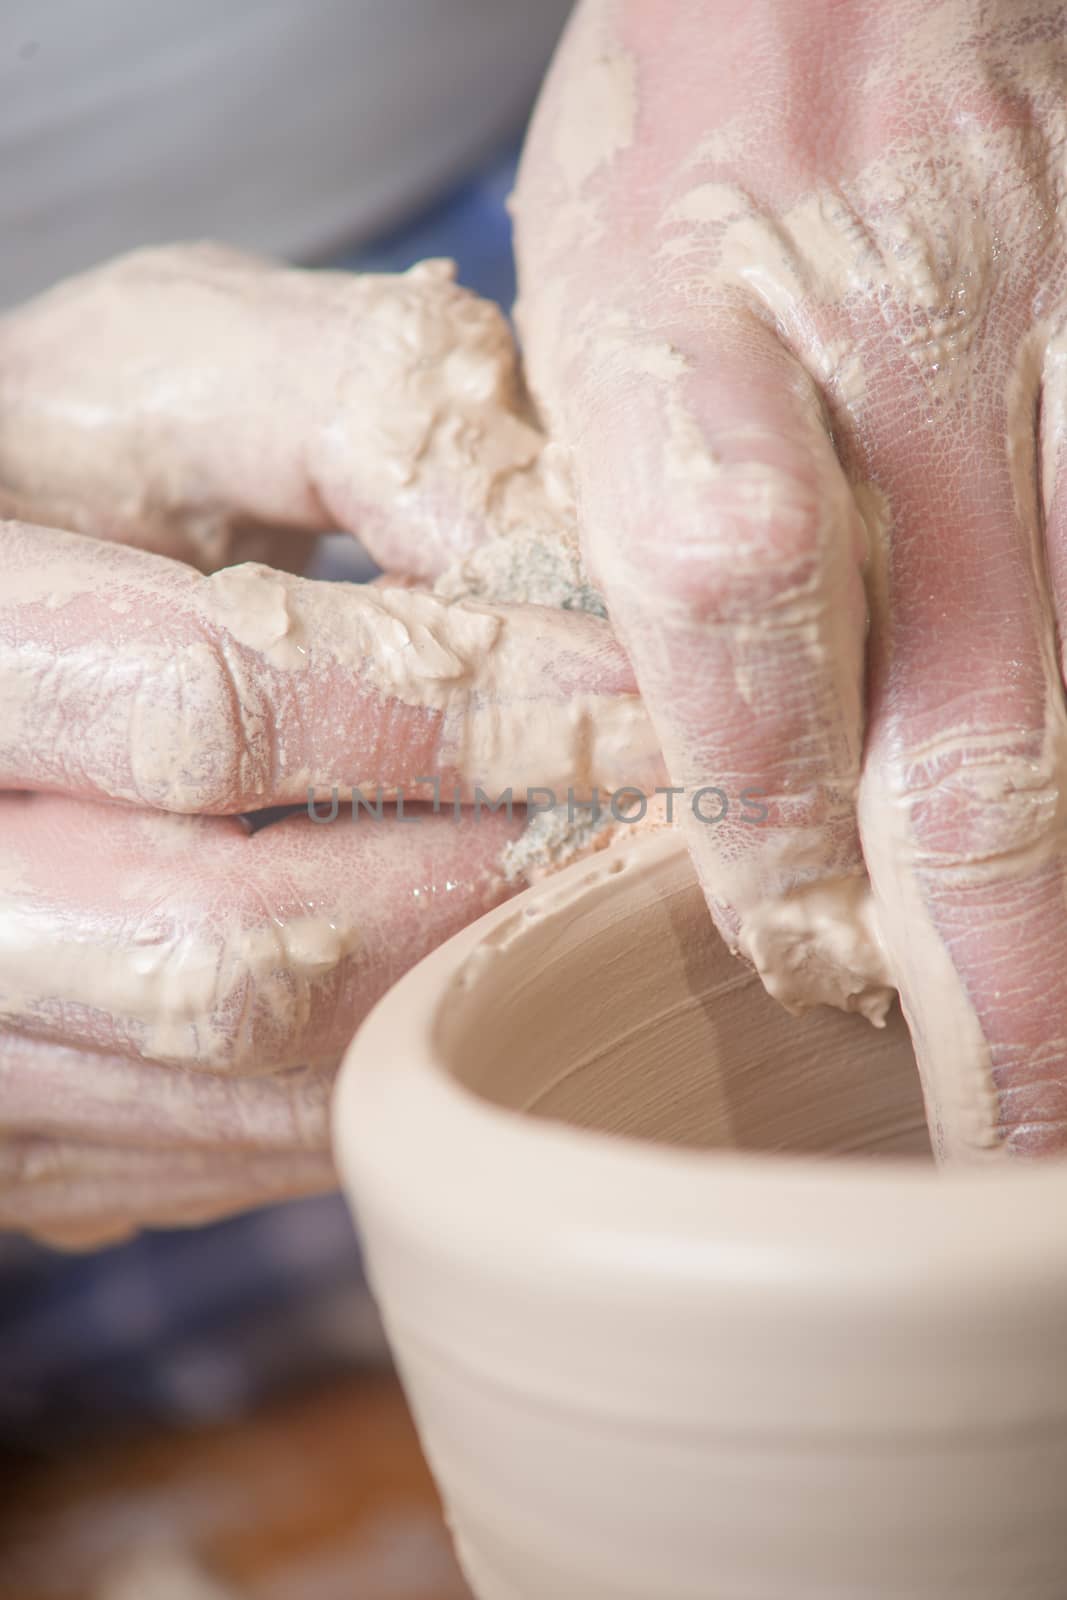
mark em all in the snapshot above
pixel 615 1006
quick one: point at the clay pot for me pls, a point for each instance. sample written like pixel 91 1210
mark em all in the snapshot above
pixel 681 1303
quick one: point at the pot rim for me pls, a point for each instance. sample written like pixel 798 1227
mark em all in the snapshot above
pixel 496 1183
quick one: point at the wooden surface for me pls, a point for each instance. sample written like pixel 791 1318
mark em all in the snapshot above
pixel 325 1497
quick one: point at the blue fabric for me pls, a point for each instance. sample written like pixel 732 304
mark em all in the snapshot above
pixel 199 1324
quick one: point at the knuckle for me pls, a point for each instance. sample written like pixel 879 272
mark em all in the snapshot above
pixel 204 997
pixel 758 543
pixel 973 803
pixel 199 738
pixel 258 984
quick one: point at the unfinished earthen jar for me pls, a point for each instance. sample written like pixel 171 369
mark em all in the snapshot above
pixel 682 1305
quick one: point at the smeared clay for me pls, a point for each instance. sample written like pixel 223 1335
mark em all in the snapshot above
pixel 157 400
pixel 598 117
pixel 497 698
pixel 175 991
pixel 879 218
pixel 556 837
pixel 415 648
pixel 813 943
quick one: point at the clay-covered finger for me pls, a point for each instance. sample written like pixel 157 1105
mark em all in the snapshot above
pixel 963 794
pixel 57 1091
pixel 129 676
pixel 183 399
pixel 192 943
pixel 730 549
pixel 82 1195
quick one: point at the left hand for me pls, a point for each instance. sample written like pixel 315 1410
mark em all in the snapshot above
pixel 175 992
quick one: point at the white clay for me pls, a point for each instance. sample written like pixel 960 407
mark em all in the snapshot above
pixel 682 1305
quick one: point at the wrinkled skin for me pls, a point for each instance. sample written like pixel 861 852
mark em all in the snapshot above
pixel 792 286
pixel 175 991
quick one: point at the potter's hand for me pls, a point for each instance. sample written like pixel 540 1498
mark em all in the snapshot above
pixel 189 400
pixel 793 285
pixel 175 993
pixel 175 996
pixel 197 401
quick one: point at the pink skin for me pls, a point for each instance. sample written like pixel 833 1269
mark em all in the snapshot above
pixel 937 718
pixel 256 733
pixel 207 404
pixel 131 1111
pixel 231 1105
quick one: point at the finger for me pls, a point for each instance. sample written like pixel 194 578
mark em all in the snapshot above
pixel 963 797
pixel 49 1090
pixel 128 676
pixel 178 398
pixel 189 942
pixel 79 1195
pixel 730 550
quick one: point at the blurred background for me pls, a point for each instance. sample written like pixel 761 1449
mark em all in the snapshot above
pixel 211 1414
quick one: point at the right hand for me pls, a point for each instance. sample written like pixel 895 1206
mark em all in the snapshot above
pixel 794 296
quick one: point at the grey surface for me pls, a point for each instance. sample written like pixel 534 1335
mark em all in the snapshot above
pixel 290 126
